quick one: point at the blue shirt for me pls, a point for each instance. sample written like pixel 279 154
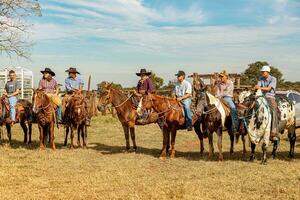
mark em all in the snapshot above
pixel 73 84
pixel 266 82
pixel 183 88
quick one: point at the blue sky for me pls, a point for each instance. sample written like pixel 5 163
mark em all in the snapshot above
pixel 112 39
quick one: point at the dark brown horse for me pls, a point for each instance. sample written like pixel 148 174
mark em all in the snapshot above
pixel 46 117
pixel 172 111
pixel 126 112
pixel 24 115
pixel 75 119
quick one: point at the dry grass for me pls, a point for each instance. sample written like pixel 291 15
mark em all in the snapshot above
pixel 103 171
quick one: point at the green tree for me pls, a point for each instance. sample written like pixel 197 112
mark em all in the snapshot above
pixel 157 81
pixel 252 73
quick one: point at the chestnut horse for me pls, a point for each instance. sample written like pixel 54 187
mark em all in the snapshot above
pixel 172 111
pixel 23 114
pixel 76 119
pixel 46 117
pixel 126 112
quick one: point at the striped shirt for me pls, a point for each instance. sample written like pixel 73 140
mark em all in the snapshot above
pixel 49 86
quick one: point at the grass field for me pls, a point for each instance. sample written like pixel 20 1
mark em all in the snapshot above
pixel 103 171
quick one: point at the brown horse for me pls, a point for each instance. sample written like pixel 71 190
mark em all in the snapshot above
pixel 75 119
pixel 212 117
pixel 23 115
pixel 172 111
pixel 46 117
pixel 126 112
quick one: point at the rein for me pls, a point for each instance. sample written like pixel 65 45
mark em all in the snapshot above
pixel 121 104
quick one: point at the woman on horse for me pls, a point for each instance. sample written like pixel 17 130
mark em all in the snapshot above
pixel 75 84
pixel 225 91
pixel 50 86
pixel 12 89
pixel 144 86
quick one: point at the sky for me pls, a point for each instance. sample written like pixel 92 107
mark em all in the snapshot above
pixel 112 39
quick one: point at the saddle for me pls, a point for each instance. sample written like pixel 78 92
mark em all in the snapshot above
pixel 226 107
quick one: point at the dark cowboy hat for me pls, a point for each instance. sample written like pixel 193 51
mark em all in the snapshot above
pixel 143 72
pixel 72 70
pixel 48 70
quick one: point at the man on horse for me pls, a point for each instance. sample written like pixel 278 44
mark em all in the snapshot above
pixel 12 89
pixel 74 84
pixel 49 85
pixel 225 91
pixel 183 93
pixel 267 84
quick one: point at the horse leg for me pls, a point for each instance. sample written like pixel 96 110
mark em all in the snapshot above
pixel 8 128
pixel 66 136
pixel 25 130
pixel 252 156
pixel 126 133
pixel 292 139
pixel 264 150
pixel 132 134
pixel 41 129
pixel 231 135
pixel 79 130
pixel 219 132
pixel 244 146
pixel 163 153
pixel 275 147
pixel 83 129
pixel 72 137
pixel 30 131
pixel 173 139
pixel 200 136
pixel 211 145
pixel 52 144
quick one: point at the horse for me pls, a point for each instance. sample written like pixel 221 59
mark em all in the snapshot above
pixel 214 117
pixel 46 116
pixel 23 115
pixel 126 112
pixel 76 112
pixel 172 112
pixel 257 122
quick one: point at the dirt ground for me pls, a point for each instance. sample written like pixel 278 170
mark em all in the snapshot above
pixel 104 171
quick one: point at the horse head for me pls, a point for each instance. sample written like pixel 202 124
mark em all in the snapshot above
pixel 39 98
pixel 105 97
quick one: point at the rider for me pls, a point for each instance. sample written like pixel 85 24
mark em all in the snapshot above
pixel 225 91
pixel 75 84
pixel 51 88
pixel 144 86
pixel 183 93
pixel 267 84
pixel 12 89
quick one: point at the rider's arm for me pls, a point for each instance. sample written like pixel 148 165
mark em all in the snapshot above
pixel 184 97
pixel 14 93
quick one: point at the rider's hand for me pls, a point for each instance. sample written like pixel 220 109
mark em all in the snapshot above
pixel 179 99
pixel 256 87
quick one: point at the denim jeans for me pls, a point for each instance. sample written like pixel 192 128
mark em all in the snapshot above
pixel 233 113
pixel 188 113
pixel 12 103
pixel 59 112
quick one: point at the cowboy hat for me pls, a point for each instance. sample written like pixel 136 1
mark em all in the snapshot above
pixel 266 68
pixel 143 72
pixel 223 73
pixel 48 70
pixel 72 70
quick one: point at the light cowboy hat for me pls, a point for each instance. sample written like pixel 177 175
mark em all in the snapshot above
pixel 223 73
pixel 266 68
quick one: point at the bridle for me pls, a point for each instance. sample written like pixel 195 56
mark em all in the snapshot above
pixel 108 100
pixel 41 106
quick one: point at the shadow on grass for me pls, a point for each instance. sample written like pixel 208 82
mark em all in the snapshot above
pixel 193 156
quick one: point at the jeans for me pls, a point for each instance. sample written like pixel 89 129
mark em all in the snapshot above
pixel 188 113
pixel 59 112
pixel 12 103
pixel 233 113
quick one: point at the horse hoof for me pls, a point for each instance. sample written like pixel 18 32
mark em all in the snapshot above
pixel 42 148
pixel 264 162
pixel 252 158
pixel 221 159
pixel 162 157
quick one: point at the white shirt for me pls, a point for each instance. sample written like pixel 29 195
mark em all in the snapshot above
pixel 183 88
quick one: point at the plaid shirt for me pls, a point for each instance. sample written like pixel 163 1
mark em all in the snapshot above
pixel 48 86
